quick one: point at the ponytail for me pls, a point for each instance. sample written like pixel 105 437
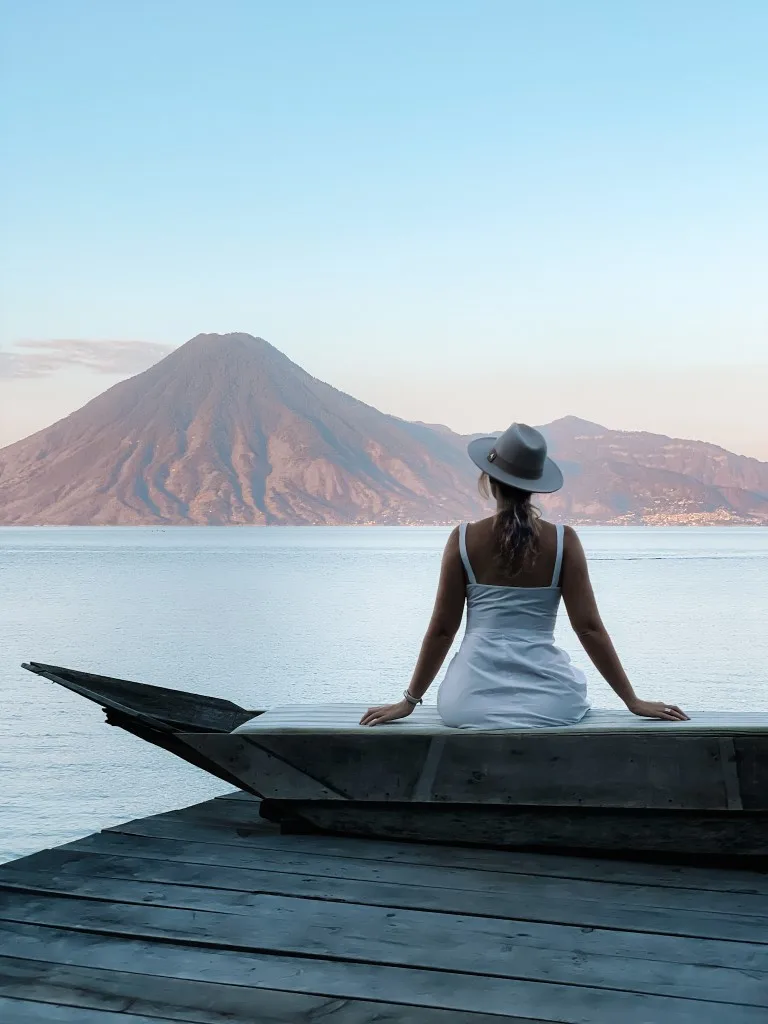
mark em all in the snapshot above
pixel 516 529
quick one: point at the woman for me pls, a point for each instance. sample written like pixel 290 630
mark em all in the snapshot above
pixel 512 569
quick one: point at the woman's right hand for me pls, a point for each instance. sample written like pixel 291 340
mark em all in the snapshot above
pixel 657 709
pixel 387 713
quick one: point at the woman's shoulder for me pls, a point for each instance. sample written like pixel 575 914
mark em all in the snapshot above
pixel 573 549
pixel 571 542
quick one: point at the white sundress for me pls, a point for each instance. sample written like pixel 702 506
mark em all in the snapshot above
pixel 508 673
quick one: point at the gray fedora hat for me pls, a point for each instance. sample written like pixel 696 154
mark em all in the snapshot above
pixel 518 458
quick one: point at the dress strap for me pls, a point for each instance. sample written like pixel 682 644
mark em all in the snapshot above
pixel 463 553
pixel 559 556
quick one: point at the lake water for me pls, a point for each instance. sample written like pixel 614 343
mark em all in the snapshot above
pixel 283 615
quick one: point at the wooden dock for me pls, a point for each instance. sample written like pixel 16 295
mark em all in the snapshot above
pixel 209 914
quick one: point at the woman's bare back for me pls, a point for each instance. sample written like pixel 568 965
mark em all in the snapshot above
pixel 483 551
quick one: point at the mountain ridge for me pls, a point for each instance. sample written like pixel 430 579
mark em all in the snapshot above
pixel 227 429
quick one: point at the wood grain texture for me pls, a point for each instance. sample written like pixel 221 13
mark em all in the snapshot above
pixel 224 826
pixel 179 707
pixel 752 767
pixel 634 770
pixel 125 995
pixel 730 770
pixel 692 835
pixel 629 771
pixel 688 968
pixel 387 769
pixel 459 874
pixel 209 914
pixel 28 1011
pixel 260 770
pixel 531 898
pixel 556 828
pixel 515 998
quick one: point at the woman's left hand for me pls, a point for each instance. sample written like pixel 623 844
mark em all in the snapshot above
pixel 387 713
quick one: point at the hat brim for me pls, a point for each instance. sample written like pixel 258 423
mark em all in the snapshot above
pixel 550 480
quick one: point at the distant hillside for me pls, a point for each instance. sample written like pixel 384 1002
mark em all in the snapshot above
pixel 632 476
pixel 226 429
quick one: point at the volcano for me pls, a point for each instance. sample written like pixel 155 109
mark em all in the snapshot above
pixel 226 429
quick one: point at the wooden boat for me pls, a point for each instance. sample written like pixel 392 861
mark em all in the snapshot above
pixel 613 783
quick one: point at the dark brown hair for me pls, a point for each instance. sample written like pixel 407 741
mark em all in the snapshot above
pixel 516 528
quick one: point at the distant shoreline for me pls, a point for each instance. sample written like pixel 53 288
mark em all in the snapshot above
pixel 363 526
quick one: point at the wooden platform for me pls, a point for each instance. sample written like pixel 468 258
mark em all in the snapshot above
pixel 209 914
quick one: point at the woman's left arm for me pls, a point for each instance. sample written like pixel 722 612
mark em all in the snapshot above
pixel 442 629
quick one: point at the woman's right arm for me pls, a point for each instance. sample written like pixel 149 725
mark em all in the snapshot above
pixel 585 618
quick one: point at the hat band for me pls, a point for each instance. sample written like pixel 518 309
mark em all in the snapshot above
pixel 514 470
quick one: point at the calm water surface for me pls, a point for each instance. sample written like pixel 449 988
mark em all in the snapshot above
pixel 308 614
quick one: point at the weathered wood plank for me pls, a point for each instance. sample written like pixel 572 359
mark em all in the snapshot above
pixel 386 770
pixel 179 706
pixel 648 770
pixel 655 964
pixel 557 828
pixel 23 1011
pixel 259 769
pixel 182 999
pixel 527 769
pixel 302 861
pixel 513 998
pixel 752 767
pixel 305 862
pixel 586 904
pixel 730 770
pixel 199 830
pixel 587 825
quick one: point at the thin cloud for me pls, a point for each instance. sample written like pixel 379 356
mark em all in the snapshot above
pixel 35 359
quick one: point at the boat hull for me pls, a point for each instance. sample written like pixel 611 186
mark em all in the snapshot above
pixel 630 769
pixel 613 783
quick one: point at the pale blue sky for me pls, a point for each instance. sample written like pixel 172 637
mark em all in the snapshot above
pixel 403 196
